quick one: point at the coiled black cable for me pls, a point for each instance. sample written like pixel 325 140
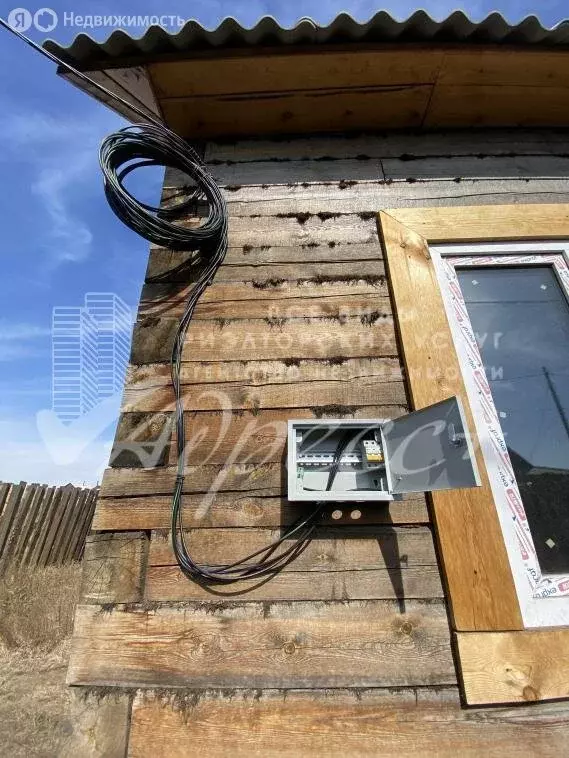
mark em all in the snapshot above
pixel 152 144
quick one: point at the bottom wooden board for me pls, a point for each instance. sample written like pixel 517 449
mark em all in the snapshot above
pixel 335 724
pixel 514 667
pixel 299 644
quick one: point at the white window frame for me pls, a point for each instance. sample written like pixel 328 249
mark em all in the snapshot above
pixel 543 599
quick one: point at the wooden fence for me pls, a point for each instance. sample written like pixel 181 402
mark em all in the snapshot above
pixel 41 525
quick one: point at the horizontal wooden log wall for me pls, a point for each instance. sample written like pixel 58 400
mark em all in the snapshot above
pixel 298 323
pixel 42 525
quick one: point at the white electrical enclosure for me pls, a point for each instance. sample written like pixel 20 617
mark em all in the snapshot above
pixel 380 459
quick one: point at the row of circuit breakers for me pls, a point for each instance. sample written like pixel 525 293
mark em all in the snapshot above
pixel 423 451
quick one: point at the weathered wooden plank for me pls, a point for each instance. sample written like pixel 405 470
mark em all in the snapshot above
pixel 54 526
pixel 471 166
pixel 228 435
pixel 377 107
pixel 514 667
pixel 331 549
pixel 293 272
pixel 239 509
pixel 170 300
pixel 282 72
pixel 113 568
pixel 337 723
pixel 384 145
pixel 11 548
pixel 293 281
pixel 29 523
pixel 9 514
pixel 142 439
pixel 85 525
pixel 259 373
pixel 329 392
pixel 295 172
pixel 352 644
pixel 265 479
pixel 476 167
pixel 98 724
pixel 400 193
pixel 278 255
pixel 477 570
pixel 68 522
pixel 4 490
pixel 43 520
pixel 75 544
pixel 169 584
pixel 268 340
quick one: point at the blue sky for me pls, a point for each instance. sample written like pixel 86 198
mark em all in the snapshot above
pixel 59 238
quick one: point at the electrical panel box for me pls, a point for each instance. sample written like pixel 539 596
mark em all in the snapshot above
pixel 377 459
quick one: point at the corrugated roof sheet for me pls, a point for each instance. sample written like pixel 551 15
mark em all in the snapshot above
pixel 382 27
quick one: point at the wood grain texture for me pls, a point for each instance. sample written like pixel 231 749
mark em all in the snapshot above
pixel 340 563
pixel 338 723
pixel 388 106
pixel 514 667
pixel 501 67
pixel 408 191
pixel 309 302
pixel 384 145
pixel 475 224
pixel 240 340
pixel 221 436
pixel 113 568
pixel 98 724
pixel 168 584
pixel 311 92
pixel 481 589
pixel 369 391
pixel 351 644
pixel 301 71
pixel 242 509
pixel 459 105
pixel 332 549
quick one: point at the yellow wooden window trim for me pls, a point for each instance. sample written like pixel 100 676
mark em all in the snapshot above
pixel 505 665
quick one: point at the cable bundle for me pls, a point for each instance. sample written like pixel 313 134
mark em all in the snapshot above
pixel 153 145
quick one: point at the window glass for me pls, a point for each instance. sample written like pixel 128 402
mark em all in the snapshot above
pixel 521 319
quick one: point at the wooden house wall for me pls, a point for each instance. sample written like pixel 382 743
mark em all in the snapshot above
pixel 350 645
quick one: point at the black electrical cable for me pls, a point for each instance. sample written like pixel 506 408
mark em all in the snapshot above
pixel 153 144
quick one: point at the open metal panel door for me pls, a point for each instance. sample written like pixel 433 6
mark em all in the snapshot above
pixel 430 449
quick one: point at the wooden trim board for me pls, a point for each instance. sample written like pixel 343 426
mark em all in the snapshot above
pixel 481 588
pixel 514 667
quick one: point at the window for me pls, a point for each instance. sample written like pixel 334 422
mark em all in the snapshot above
pixel 508 309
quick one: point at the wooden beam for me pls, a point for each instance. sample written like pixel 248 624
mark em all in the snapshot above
pixel 481 589
pixel 244 509
pixel 337 723
pixel 514 667
pixel 329 644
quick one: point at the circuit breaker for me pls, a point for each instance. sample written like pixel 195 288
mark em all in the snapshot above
pixel 379 459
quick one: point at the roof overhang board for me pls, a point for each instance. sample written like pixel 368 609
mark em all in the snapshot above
pixel 132 84
pixel 349 88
